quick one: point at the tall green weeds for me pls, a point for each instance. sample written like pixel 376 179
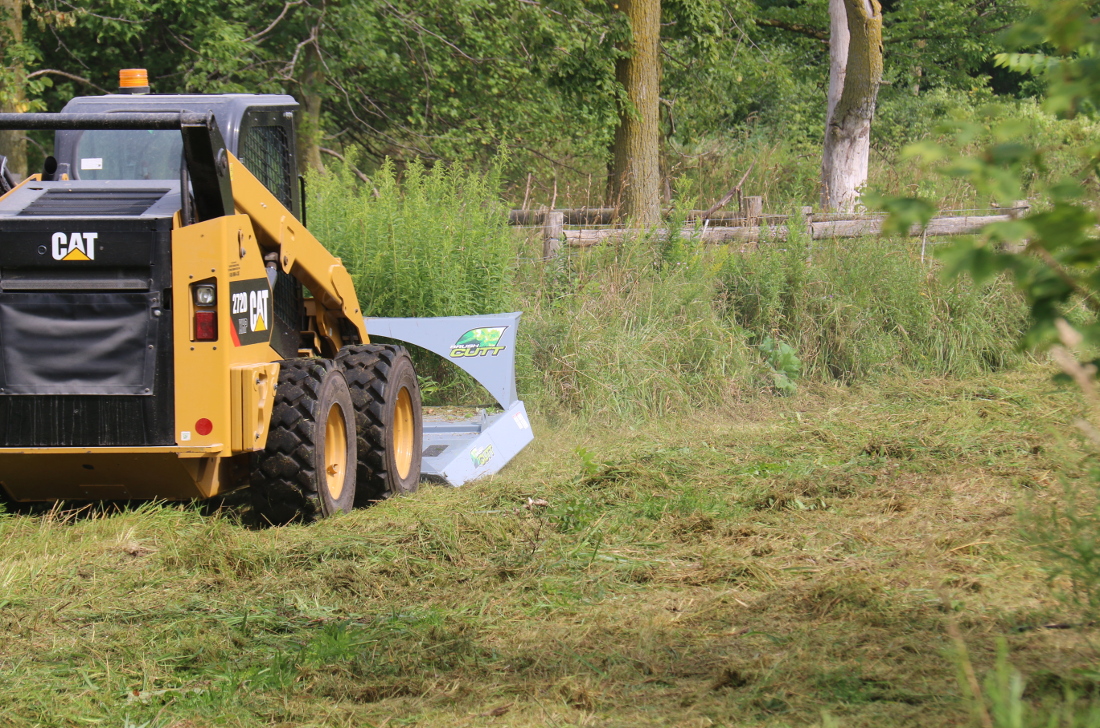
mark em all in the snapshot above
pixel 653 324
pixel 628 330
pixel 856 307
pixel 435 244
pixel 649 326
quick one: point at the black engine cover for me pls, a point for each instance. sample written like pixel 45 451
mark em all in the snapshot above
pixel 85 315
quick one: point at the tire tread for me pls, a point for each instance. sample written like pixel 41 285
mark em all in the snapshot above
pixel 367 369
pixel 283 473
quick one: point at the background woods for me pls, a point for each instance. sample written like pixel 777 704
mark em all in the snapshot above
pixel 567 86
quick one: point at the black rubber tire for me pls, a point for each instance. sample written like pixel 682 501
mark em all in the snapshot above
pixel 289 480
pixel 376 375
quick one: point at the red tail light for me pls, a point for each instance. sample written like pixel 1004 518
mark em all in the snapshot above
pixel 206 326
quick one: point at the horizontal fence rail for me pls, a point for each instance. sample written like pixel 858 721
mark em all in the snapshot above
pixel 592 225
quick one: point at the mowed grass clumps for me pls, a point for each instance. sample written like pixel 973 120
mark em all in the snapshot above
pixel 754 568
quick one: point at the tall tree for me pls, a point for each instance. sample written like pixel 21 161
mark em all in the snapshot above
pixel 634 179
pixel 13 144
pixel 848 132
pixel 839 40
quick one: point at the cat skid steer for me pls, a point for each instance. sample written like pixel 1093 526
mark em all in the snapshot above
pixel 170 329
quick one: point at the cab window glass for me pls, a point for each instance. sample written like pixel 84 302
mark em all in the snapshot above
pixel 128 154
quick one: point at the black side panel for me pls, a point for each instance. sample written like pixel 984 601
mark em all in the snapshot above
pixel 94 421
pixel 207 166
pixel 288 307
pixel 76 334
pixel 265 151
pixel 77 343
pixel 77 244
pixel 265 147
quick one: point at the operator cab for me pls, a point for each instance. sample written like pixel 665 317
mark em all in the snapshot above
pixel 257 128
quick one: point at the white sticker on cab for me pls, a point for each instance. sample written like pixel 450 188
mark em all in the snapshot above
pixel 92 163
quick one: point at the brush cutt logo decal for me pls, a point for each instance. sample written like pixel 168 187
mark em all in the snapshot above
pixel 479 342
pixel 250 311
pixel 481 455
pixel 74 246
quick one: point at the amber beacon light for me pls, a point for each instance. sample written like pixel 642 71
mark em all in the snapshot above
pixel 133 81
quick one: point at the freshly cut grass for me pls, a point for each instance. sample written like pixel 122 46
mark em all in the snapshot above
pixel 751 566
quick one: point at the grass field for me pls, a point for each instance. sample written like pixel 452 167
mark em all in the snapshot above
pixel 779 562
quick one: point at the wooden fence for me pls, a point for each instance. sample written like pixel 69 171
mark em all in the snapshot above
pixel 747 227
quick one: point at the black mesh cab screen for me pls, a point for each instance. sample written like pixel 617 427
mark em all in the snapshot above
pixel 265 152
pixel 87 343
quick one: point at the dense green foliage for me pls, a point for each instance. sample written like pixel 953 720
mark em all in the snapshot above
pixel 654 325
pixel 453 80
pixel 437 245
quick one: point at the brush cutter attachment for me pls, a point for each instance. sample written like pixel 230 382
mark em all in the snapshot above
pixel 459 444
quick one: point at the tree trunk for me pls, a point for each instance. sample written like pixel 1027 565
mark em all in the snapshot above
pixel 838 54
pixel 309 126
pixel 634 175
pixel 848 134
pixel 13 143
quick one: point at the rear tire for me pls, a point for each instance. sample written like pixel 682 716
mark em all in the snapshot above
pixel 386 395
pixel 307 471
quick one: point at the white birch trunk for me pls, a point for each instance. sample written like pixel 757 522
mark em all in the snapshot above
pixel 838 54
pixel 848 133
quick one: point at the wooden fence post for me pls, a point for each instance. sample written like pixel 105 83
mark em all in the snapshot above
pixel 751 210
pixel 808 221
pixel 553 233
pixel 1019 209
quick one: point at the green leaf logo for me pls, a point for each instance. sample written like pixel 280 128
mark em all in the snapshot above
pixel 481 338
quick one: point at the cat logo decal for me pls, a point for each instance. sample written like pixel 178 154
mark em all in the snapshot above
pixel 75 246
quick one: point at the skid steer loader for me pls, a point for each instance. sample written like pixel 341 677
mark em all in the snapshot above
pixel 170 329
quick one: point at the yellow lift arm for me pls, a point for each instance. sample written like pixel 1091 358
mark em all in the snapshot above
pixel 299 254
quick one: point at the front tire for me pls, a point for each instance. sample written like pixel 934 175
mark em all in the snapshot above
pixel 307 471
pixel 390 430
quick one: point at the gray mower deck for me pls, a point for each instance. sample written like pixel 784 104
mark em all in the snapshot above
pixel 462 444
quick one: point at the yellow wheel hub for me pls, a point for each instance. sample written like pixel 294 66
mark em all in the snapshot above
pixel 336 451
pixel 404 432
